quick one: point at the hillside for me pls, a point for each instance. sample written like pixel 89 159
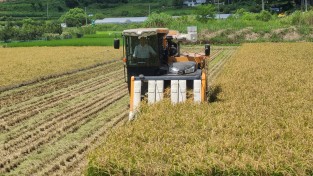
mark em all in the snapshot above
pixel 53 9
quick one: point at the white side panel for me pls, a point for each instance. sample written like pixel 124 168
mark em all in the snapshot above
pixel 151 91
pixel 197 90
pixel 182 90
pixel 137 93
pixel 159 90
pixel 174 91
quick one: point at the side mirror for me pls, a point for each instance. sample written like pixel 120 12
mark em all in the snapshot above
pixel 116 43
pixel 207 49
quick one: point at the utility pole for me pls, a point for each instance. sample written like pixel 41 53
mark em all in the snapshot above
pixel 47 9
pixel 149 9
pixel 262 5
pixel 218 8
pixel 86 15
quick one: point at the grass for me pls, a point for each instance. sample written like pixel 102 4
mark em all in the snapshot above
pixel 260 124
pixel 104 34
pixel 230 23
pixel 93 41
pixel 238 24
pixel 101 38
pixel 23 64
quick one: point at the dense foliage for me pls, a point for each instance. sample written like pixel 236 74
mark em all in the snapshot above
pixel 74 17
pixel 53 9
pixel 28 30
pixel 205 12
pixel 158 20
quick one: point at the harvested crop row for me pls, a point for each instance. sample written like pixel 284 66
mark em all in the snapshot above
pixel 72 148
pixel 70 160
pixel 69 120
pixel 57 95
pixel 19 115
pixel 49 125
pixel 260 123
pixel 35 62
pixel 54 109
pixel 49 136
pixel 217 63
pixel 12 97
pixel 38 120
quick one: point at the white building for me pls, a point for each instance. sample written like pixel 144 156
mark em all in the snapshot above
pixel 194 2
pixel 121 20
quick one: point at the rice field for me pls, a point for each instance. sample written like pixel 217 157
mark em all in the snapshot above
pixel 259 121
pixel 49 127
pixel 18 65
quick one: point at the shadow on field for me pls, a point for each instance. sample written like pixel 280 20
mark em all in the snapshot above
pixel 213 93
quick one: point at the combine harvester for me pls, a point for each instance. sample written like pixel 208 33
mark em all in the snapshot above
pixel 153 61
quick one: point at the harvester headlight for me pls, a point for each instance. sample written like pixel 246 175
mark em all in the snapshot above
pixel 182 67
pixel 190 70
pixel 174 70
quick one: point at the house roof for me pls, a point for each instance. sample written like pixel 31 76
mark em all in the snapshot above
pixel 144 32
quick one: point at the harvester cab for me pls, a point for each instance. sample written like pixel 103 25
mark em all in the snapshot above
pixel 153 60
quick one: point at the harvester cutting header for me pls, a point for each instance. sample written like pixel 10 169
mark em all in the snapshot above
pixel 153 60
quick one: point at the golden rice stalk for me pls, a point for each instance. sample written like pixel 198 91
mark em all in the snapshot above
pixel 23 64
pixel 260 124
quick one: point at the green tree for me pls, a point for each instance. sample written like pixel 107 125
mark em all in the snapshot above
pixel 205 12
pixel 40 6
pixel 74 17
pixel 6 33
pixel 53 27
pixel 33 6
pixel 30 30
pixel 158 20
pixel 264 16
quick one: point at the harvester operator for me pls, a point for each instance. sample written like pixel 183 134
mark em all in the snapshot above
pixel 143 50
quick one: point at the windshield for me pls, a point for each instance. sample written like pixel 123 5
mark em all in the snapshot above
pixel 142 51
